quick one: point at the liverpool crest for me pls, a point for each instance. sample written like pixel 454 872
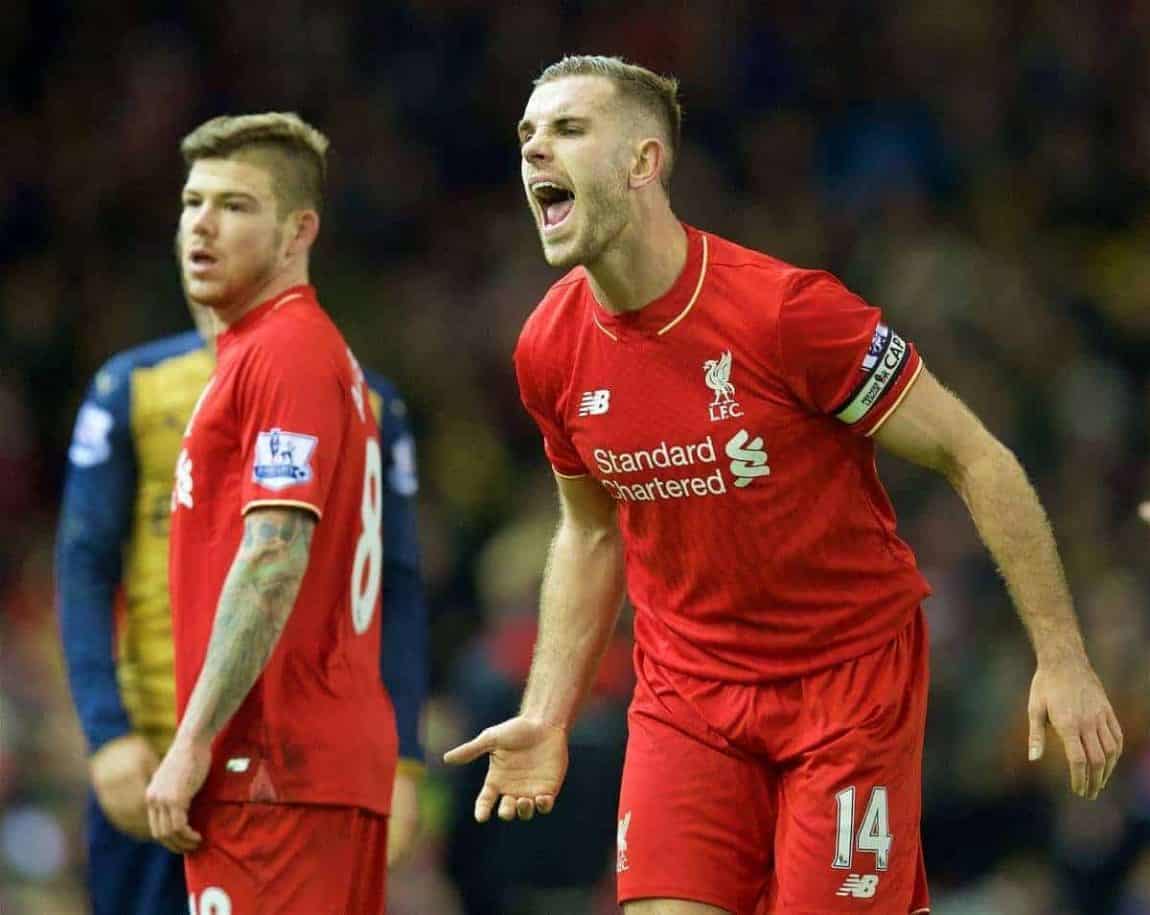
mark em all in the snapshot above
pixel 717 373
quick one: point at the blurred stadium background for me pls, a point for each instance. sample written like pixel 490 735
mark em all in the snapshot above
pixel 980 169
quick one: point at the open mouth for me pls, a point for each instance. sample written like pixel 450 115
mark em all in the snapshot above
pixel 201 260
pixel 556 202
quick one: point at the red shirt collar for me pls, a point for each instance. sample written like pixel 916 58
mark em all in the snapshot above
pixel 666 310
pixel 253 318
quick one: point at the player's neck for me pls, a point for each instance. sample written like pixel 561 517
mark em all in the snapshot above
pixel 276 284
pixel 642 264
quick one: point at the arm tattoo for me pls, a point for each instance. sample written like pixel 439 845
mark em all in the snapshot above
pixel 254 606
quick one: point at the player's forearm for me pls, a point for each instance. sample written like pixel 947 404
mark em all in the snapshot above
pixel 1015 529
pixel 582 592
pixel 254 606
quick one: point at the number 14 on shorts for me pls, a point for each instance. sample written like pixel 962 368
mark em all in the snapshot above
pixel 873 833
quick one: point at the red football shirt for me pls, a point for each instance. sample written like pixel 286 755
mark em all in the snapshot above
pixel 286 420
pixel 731 418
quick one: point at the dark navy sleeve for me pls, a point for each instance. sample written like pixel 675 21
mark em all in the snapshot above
pixel 404 654
pixel 94 523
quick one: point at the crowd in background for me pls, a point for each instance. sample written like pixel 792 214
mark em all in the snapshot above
pixel 979 169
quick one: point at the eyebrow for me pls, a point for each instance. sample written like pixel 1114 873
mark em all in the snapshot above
pixel 223 195
pixel 565 120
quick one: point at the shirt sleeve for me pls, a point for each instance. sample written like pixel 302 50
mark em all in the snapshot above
pixel 839 356
pixel 95 520
pixel 292 413
pixel 561 451
pixel 404 648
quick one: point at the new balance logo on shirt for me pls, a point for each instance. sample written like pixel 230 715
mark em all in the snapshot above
pixel 859 887
pixel 595 403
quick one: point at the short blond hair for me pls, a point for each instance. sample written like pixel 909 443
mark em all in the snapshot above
pixel 293 152
pixel 653 94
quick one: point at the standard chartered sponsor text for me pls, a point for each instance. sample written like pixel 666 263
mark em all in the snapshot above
pixel 665 456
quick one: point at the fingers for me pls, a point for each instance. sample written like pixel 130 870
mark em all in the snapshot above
pixel 184 840
pixel 1074 702
pixel 1093 748
pixel 509 808
pixel 485 802
pixel 1115 730
pixel 483 743
pixel 1037 739
pixel 1076 758
pixel 1092 756
pixel 1111 737
pixel 1095 764
pixel 525 757
pixel 170 827
pixel 1111 750
pixel 156 823
pixel 516 808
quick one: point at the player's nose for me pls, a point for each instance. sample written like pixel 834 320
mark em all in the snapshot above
pixel 204 221
pixel 536 150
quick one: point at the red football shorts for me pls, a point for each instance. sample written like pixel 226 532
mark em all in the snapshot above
pixel 282 859
pixel 795 797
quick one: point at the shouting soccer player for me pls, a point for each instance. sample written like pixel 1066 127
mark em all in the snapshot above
pixel 115 614
pixel 710 414
pixel 286 739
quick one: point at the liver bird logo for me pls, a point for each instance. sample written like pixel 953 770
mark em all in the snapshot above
pixel 718 377
pixel 622 860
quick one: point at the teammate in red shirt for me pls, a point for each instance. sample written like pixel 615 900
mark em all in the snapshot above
pixel 710 414
pixel 287 739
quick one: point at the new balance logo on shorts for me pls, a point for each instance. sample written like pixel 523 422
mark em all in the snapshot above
pixel 859 887
pixel 594 403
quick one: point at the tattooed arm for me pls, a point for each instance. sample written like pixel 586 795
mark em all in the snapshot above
pixel 256 600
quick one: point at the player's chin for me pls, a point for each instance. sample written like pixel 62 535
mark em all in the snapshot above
pixel 563 254
pixel 207 293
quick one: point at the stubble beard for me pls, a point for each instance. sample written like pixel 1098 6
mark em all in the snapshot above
pixel 232 293
pixel 604 215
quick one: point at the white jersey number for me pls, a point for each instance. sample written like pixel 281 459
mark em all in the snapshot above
pixel 874 832
pixel 367 570
pixel 213 901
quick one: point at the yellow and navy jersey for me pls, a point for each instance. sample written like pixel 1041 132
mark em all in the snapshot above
pixel 112 546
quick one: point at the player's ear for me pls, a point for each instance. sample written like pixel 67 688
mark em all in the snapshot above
pixel 302 229
pixel 649 161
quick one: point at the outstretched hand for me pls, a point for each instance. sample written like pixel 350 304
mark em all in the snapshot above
pixel 1071 698
pixel 526 769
